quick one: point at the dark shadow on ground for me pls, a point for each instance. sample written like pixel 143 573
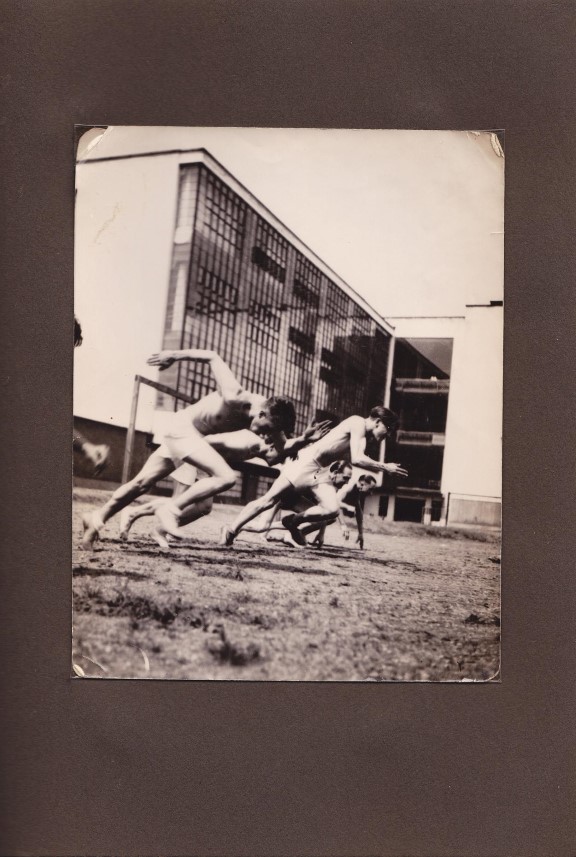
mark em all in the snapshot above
pixel 84 571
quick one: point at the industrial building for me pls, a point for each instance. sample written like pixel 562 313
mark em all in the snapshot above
pixel 242 285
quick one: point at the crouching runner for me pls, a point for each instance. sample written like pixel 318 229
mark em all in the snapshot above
pixel 311 471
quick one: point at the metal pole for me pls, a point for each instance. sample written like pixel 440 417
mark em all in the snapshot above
pixel 387 394
pixel 447 509
pixel 389 368
pixel 131 433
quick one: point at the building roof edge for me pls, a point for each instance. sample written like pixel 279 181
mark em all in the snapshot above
pixel 210 162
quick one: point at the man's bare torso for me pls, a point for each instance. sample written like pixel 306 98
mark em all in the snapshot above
pixel 335 445
pixel 213 415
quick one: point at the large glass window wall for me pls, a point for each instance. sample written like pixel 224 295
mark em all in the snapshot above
pixel 282 325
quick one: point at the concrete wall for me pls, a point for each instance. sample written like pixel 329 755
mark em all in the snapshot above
pixel 473 452
pixel 473 510
pixel 125 215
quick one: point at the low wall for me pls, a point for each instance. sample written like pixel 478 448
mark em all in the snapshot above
pixel 474 511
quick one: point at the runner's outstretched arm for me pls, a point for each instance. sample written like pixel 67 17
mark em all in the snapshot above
pixel 359 511
pixel 358 458
pixel 226 382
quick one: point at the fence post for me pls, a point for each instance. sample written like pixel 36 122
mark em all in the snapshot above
pixel 131 433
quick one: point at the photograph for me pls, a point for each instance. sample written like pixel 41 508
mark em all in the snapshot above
pixel 287 420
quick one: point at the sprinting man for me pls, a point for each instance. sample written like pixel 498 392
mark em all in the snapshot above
pixel 351 497
pixel 97 453
pixel 312 471
pixel 230 408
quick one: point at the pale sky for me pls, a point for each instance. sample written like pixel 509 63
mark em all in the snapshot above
pixel 412 220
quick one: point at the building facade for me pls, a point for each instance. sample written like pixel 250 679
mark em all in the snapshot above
pixel 447 388
pixel 419 395
pixel 240 285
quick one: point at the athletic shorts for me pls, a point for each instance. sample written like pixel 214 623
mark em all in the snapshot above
pixel 177 445
pixel 305 472
pixel 187 474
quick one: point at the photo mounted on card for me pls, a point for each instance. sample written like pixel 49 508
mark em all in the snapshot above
pixel 288 404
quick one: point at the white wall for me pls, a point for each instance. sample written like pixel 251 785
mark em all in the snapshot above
pixel 473 451
pixel 125 214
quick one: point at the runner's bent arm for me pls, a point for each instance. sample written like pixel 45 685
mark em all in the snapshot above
pixel 226 382
pixel 359 459
pixel 313 433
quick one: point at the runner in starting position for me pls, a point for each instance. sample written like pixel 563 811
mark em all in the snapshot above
pixel 351 497
pixel 312 471
pixel 230 408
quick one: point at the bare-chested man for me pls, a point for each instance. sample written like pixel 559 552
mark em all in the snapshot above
pixel 230 408
pixel 311 471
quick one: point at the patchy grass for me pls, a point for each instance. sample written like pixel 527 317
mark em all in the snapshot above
pixel 413 606
pixel 405 528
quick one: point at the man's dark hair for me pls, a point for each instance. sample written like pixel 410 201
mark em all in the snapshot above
pixel 339 466
pixel 367 479
pixel 282 412
pixel 77 333
pixel 389 418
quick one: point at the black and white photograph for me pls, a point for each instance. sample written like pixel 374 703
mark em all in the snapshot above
pixel 287 424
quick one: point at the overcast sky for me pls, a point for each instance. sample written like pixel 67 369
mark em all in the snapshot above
pixel 412 220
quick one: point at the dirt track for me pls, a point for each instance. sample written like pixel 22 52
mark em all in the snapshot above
pixel 411 606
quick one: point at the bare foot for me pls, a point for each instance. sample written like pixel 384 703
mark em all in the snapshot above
pixel 297 536
pixel 90 532
pixel 168 520
pixel 126 521
pixel 284 540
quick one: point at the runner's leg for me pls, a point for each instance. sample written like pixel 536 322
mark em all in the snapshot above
pixel 326 510
pixel 264 523
pixel 220 478
pixel 256 507
pixel 155 468
pixel 129 516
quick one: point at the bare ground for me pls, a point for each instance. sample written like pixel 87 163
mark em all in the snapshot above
pixel 418 604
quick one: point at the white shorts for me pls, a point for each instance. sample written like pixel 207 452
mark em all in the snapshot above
pixel 177 446
pixel 305 472
pixel 186 474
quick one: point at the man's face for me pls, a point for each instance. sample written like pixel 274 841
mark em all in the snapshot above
pixel 365 485
pixel 379 431
pixel 263 425
pixel 341 478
